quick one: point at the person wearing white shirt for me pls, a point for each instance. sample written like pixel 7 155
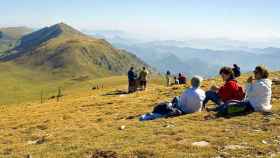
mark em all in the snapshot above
pixel 258 90
pixel 189 102
pixel 192 99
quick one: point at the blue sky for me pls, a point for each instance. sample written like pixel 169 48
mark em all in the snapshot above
pixel 165 19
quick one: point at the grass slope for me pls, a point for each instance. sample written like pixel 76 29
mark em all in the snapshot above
pixel 22 85
pixel 88 125
pixel 64 51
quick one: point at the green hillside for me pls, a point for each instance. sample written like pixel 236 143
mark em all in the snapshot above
pixel 60 56
pixel 63 51
pixel 21 85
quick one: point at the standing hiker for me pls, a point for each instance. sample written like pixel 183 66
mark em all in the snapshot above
pixel 167 77
pixel 143 78
pixel 132 77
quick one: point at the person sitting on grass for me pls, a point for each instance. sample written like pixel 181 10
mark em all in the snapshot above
pixel 192 99
pixel 231 90
pixel 189 102
pixel 258 95
pixel 176 81
pixel 182 78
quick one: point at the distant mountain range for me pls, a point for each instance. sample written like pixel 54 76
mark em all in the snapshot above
pixel 191 57
pixel 62 49
pixel 65 51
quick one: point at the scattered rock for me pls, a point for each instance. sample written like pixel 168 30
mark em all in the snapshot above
pixel 122 127
pixel 264 142
pixel 201 144
pixel 169 126
pixel 257 130
pixel 234 147
pixel 37 141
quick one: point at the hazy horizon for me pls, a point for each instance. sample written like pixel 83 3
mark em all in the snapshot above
pixel 160 19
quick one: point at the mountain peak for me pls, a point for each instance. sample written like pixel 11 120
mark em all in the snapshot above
pixel 62 24
pixel 64 28
pixel 61 48
pixel 43 35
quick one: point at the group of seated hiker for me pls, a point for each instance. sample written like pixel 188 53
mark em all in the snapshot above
pixel 230 99
pixel 181 79
pixel 135 81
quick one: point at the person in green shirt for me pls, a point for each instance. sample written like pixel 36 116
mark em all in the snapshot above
pixel 143 78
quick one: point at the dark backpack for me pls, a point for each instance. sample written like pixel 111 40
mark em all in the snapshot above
pixel 237 72
pixel 162 108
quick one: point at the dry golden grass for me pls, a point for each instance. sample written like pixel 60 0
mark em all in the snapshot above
pixel 88 124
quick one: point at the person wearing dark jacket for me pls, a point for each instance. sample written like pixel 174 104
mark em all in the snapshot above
pixel 132 77
pixel 236 70
pixel 231 90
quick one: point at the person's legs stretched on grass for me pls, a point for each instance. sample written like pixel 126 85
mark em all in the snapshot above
pixel 212 96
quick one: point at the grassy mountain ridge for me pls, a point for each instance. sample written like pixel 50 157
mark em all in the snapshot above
pixel 59 56
pixel 62 50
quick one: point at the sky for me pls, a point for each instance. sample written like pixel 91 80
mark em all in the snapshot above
pixel 162 19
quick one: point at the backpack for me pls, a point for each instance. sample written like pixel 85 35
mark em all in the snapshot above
pixel 237 72
pixel 162 108
pixel 233 108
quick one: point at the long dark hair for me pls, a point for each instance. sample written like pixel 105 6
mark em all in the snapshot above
pixel 227 71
